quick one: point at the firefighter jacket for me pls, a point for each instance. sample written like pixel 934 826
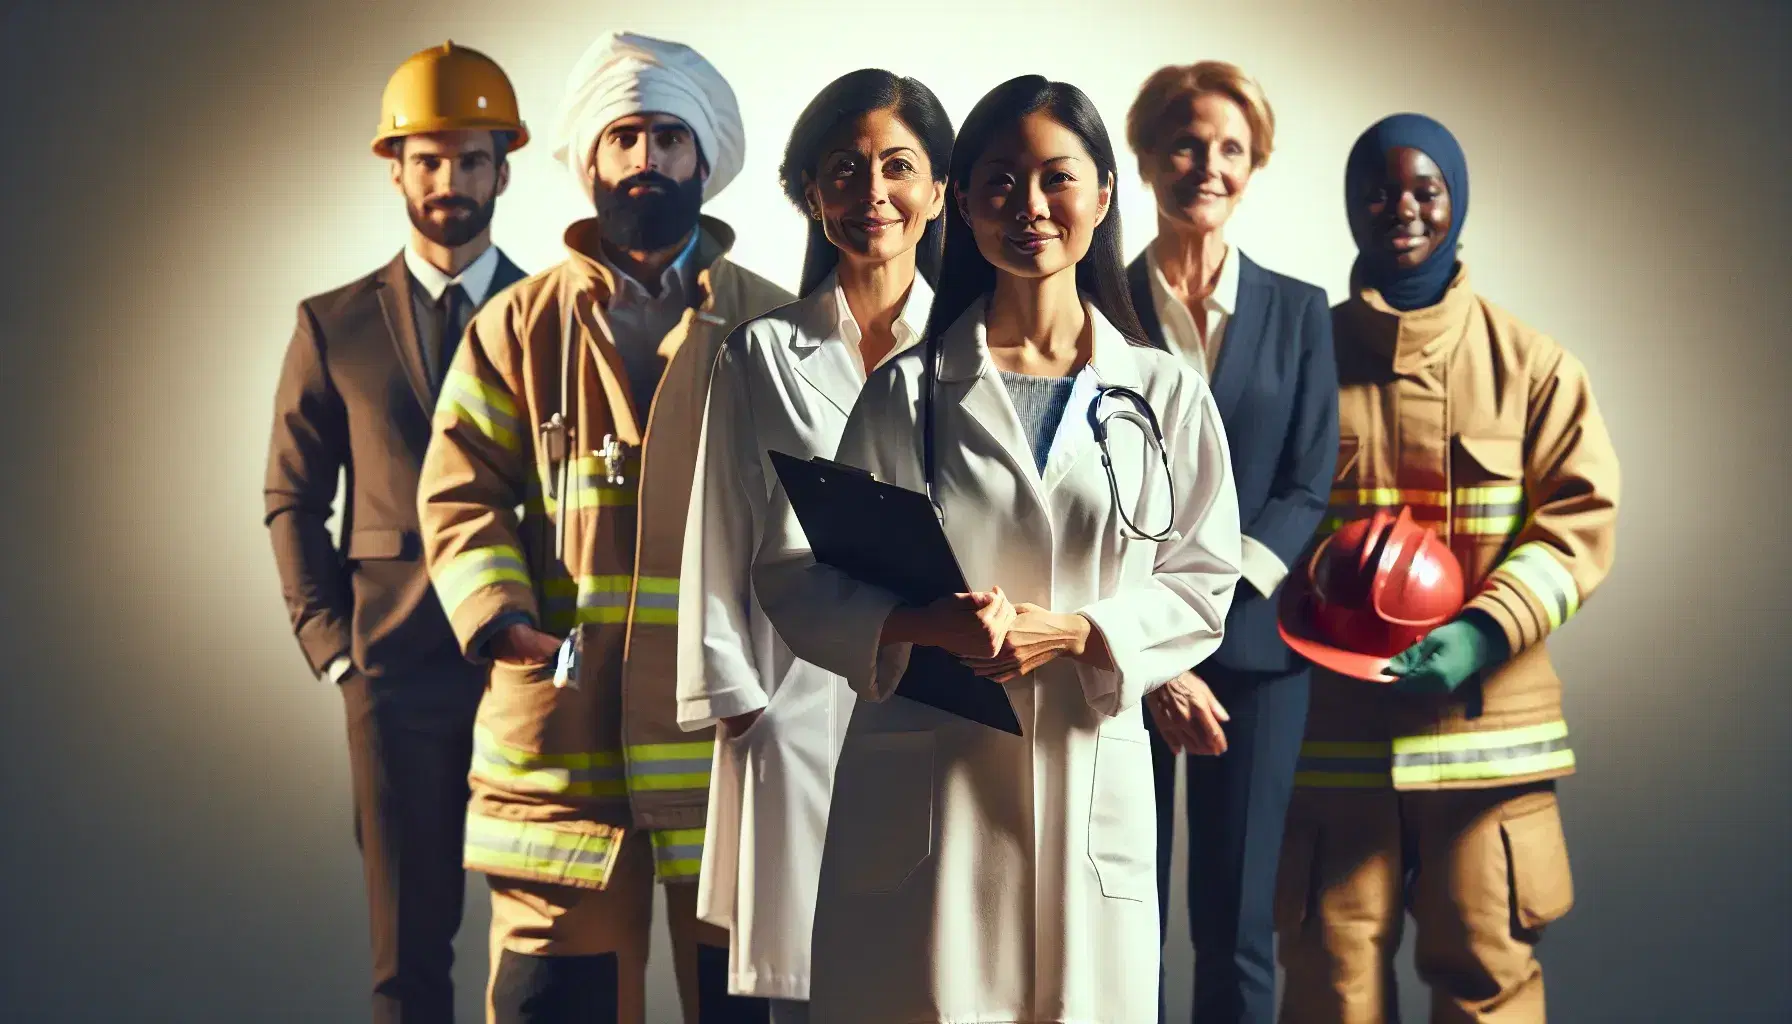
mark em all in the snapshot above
pixel 585 535
pixel 1488 431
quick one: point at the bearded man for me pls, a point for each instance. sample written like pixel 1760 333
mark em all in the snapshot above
pixel 579 400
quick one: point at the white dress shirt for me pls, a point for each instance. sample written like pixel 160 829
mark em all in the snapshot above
pixel 1179 324
pixel 907 327
pixel 475 278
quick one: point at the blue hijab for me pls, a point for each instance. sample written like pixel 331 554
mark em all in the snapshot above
pixel 1425 284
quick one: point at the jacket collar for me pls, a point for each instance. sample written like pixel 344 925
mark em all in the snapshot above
pixel 1411 339
pixel 592 272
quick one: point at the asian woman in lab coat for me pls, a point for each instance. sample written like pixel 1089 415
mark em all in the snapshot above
pixel 866 163
pixel 970 874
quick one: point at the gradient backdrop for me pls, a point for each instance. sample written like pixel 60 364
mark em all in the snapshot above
pixel 177 828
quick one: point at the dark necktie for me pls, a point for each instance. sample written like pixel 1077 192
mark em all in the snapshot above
pixel 455 310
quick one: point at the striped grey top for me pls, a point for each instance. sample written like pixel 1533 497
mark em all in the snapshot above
pixel 1039 402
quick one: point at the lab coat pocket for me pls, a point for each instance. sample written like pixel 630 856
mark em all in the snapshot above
pixel 743 740
pixel 1537 859
pixel 888 778
pixel 1122 818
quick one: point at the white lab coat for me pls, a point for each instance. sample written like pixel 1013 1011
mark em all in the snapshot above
pixel 786 382
pixel 972 875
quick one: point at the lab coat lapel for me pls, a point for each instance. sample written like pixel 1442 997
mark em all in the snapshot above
pixel 965 368
pixel 822 357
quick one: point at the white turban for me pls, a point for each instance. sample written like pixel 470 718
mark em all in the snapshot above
pixel 624 73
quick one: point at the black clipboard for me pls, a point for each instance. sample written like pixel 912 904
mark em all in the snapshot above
pixel 889 536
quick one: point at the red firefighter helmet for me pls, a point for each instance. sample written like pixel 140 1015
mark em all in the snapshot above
pixel 1368 592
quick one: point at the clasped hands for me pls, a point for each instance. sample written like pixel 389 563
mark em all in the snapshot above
pixel 998 639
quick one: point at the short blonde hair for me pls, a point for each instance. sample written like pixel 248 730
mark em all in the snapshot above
pixel 1167 97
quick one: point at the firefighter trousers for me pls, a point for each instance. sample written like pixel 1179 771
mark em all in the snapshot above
pixel 566 955
pixel 1481 871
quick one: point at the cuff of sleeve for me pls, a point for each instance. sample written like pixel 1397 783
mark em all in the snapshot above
pixel 323 638
pixel 701 712
pixel 477 647
pixel 493 607
pixel 1103 689
pixel 1490 604
pixel 1260 566
pixel 892 662
pixel 865 660
pixel 338 668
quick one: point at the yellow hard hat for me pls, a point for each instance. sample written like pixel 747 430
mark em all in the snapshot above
pixel 447 88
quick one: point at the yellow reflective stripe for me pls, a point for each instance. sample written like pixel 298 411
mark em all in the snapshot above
pixel 1459 741
pixel 1507 768
pixel 1505 753
pixel 656 767
pixel 603 600
pixel 656 601
pixel 1497 494
pixel 479 567
pixel 671 751
pixel 1333 764
pixel 598 773
pixel 677 853
pixel 1387 497
pixel 1488 526
pixel 1535 567
pixel 511 846
pixel 593 466
pixel 466 397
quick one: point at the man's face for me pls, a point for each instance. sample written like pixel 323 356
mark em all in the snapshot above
pixel 451 182
pixel 646 174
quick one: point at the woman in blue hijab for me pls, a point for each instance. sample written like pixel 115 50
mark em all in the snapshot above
pixel 1406 241
pixel 1427 777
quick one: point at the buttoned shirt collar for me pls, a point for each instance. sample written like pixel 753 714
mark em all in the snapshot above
pixel 475 278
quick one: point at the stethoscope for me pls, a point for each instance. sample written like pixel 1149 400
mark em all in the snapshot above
pixel 1140 415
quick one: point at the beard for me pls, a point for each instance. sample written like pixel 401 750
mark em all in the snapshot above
pixel 455 231
pixel 653 220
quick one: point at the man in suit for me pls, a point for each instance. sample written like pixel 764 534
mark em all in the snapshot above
pixel 360 382
pixel 1264 342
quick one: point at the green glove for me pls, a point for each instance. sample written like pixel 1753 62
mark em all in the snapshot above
pixel 1449 655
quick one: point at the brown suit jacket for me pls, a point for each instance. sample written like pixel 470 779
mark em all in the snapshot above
pixel 354 397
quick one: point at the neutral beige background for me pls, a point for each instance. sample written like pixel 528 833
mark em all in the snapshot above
pixel 177 176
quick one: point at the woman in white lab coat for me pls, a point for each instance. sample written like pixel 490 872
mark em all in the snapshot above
pixel 866 163
pixel 970 874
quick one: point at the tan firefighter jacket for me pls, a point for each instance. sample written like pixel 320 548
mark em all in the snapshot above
pixel 559 774
pixel 1488 431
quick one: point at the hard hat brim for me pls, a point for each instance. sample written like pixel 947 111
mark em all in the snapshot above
pixel 1295 622
pixel 453 124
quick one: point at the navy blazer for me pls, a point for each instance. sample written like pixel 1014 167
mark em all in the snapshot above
pixel 1276 385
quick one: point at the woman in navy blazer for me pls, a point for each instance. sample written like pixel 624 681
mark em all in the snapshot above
pixel 1264 341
